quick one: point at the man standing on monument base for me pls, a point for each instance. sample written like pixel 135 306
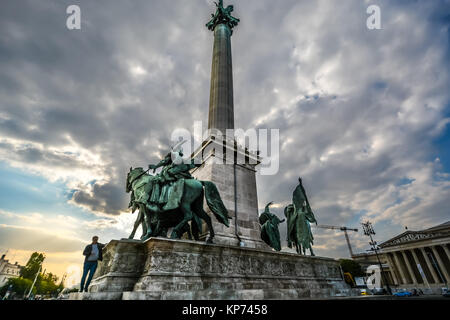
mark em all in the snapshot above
pixel 93 254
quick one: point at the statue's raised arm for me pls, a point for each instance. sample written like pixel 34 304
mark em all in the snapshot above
pixel 163 163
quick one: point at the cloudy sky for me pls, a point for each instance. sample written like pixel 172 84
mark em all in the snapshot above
pixel 364 115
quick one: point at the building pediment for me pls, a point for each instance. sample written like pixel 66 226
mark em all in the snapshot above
pixel 411 236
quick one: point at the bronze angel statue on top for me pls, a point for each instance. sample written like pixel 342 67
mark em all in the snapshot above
pixel 222 16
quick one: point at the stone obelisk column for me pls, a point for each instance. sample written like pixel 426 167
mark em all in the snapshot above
pixel 236 182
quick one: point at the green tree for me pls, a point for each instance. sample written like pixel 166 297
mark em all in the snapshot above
pixel 352 267
pixel 45 283
pixel 20 286
pixel 33 265
pixel 50 277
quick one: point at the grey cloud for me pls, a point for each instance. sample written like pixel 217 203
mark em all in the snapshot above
pixel 108 198
pixel 340 86
pixel 33 155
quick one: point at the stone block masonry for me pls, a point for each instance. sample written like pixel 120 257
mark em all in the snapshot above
pixel 174 269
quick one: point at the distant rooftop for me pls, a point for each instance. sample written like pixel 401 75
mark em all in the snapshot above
pixel 443 225
pixel 369 254
pixel 439 231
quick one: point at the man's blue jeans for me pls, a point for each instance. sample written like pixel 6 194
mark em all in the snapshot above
pixel 89 266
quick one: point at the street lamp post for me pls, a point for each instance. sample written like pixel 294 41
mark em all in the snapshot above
pixel 35 278
pixel 368 231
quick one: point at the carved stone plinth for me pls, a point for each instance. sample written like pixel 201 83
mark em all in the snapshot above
pixel 173 269
pixel 237 188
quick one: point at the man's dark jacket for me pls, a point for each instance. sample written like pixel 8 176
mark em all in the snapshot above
pixel 88 250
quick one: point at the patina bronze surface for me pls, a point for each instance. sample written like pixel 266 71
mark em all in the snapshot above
pixel 173 199
pixel 269 228
pixel 299 216
pixel 222 16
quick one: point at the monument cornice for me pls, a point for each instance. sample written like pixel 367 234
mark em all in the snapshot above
pixel 222 145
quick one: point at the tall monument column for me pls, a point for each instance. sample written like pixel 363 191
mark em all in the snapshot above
pixel 221 107
pixel 236 182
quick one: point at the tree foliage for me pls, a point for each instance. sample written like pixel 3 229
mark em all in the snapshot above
pixel 19 285
pixel 352 267
pixel 46 284
pixel 33 265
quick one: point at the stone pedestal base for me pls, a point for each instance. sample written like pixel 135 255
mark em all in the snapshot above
pixel 237 188
pixel 174 269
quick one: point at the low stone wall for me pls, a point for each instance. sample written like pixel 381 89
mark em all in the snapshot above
pixel 174 269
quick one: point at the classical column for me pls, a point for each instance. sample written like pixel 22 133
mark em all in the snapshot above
pixel 417 261
pixel 400 268
pixel 430 266
pixel 221 105
pixel 441 264
pixel 447 251
pixel 236 182
pixel 410 269
pixel 393 268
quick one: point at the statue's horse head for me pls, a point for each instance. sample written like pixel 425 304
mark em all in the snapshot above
pixel 131 176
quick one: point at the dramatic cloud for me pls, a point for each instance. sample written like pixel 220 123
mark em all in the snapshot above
pixel 358 110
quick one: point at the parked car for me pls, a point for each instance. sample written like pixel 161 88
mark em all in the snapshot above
pixel 417 292
pixel 403 294
pixel 379 291
pixel 446 292
pixel 364 292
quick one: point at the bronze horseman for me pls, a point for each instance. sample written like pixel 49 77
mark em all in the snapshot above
pixel 173 198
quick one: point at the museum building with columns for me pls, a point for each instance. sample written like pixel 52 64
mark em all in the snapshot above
pixel 419 259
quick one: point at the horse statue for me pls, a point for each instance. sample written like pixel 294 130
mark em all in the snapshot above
pixel 186 194
pixel 139 185
pixel 299 216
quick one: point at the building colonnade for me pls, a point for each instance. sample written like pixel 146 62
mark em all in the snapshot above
pixel 420 266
